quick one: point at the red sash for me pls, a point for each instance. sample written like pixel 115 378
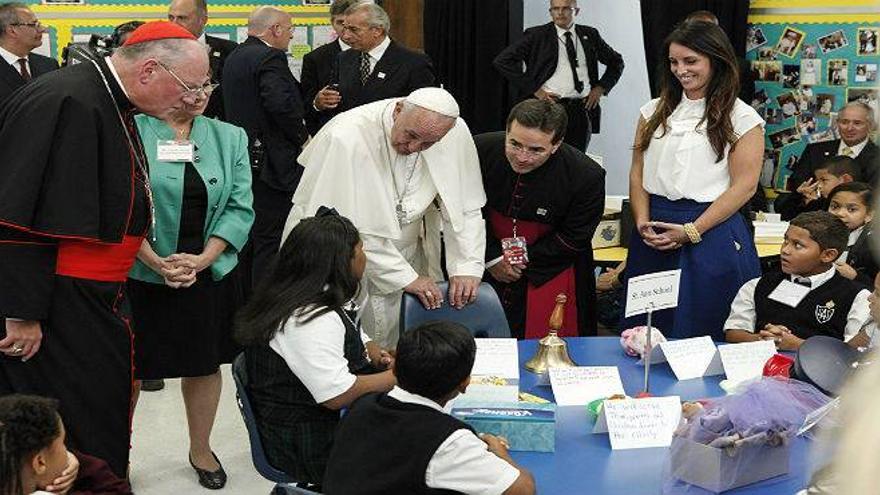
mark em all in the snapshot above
pixel 104 262
pixel 540 301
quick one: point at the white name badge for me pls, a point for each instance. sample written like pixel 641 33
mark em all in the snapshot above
pixel 175 151
pixel 789 293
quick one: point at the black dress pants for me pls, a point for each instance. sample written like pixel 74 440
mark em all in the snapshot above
pixel 579 129
pixel 271 207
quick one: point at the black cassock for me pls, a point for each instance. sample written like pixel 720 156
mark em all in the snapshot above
pixel 557 207
pixel 73 213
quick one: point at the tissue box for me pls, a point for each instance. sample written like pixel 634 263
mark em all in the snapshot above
pixel 717 471
pixel 607 234
pixel 526 426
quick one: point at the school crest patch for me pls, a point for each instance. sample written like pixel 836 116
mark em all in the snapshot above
pixel 824 312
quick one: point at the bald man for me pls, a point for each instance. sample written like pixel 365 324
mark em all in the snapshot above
pixel 192 15
pixel 263 97
pixel 20 34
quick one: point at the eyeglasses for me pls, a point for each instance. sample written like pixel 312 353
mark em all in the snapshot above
pixel 202 91
pixel 34 24
pixel 522 150
pixel 562 10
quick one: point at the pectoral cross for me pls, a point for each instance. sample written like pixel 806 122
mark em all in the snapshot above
pixel 401 213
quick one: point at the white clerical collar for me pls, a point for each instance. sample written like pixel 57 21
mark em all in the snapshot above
pixel 854 236
pixel 10 58
pixel 377 52
pixel 342 45
pixel 561 32
pixel 817 279
pixel 856 149
pixel 202 38
pixel 116 76
pixel 411 398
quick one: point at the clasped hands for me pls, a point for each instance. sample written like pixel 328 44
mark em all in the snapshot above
pixel 462 291
pixel 784 339
pixel 180 269
pixel 590 101
pixel 663 236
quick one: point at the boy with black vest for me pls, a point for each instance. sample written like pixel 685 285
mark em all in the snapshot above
pixel 808 297
pixel 403 441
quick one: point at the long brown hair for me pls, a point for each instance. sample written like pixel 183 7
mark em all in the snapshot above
pixel 706 39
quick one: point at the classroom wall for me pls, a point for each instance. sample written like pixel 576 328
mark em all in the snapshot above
pixel 77 21
pixel 828 59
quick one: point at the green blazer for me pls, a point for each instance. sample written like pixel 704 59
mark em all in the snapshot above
pixel 224 166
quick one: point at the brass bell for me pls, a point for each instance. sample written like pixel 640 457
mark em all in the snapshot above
pixel 552 349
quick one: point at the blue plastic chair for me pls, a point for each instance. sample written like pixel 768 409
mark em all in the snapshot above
pixel 284 484
pixel 485 317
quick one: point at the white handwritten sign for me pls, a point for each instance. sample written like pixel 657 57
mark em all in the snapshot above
pixel 746 360
pixel 691 358
pixel 495 375
pixel 639 423
pixel 654 291
pixel 581 385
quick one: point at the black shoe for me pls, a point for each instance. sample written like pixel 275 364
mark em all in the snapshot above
pixel 212 480
pixel 152 385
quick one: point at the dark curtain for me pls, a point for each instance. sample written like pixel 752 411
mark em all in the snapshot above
pixel 659 17
pixel 462 37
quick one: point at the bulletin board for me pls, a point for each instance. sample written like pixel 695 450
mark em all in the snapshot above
pixel 76 22
pixel 806 68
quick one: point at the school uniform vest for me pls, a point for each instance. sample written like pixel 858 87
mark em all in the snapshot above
pixel 823 311
pixel 383 446
pixel 296 431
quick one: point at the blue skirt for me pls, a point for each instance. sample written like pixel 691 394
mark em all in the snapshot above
pixel 712 271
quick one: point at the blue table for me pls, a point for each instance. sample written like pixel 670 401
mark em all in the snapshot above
pixel 585 464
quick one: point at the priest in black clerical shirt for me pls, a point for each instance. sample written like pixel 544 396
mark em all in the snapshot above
pixel 544 201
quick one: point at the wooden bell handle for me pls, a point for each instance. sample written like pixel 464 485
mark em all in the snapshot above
pixel 557 317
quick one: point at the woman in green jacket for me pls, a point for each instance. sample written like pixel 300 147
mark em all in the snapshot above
pixel 183 290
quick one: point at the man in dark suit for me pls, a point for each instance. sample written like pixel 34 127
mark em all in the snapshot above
pixel 263 97
pixel 559 69
pixel 319 71
pixel 193 15
pixel 376 68
pixel 20 34
pixel 855 123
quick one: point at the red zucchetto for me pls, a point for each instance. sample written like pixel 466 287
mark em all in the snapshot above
pixel 158 30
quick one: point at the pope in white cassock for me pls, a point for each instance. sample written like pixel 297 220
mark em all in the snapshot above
pixel 401 169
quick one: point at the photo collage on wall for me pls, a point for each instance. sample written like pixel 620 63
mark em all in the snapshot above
pixel 804 74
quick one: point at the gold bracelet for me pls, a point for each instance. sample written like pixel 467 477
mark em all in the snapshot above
pixel 692 233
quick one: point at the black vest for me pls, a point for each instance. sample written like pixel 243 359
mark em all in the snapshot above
pixel 296 431
pixel 823 311
pixel 383 446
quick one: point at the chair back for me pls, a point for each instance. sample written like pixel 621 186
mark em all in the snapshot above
pixel 239 375
pixel 485 317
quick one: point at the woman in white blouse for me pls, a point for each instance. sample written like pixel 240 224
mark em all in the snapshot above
pixel 696 161
pixel 307 356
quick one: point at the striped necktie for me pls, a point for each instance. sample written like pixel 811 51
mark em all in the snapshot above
pixel 365 67
pixel 25 74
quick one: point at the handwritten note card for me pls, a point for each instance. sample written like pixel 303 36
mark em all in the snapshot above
pixel 692 358
pixel 581 385
pixel 495 375
pixel 654 291
pixel 746 360
pixel 641 423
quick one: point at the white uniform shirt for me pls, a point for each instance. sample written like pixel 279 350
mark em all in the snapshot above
pixel 315 353
pixel 561 82
pixel 682 163
pixel 462 463
pixel 743 315
pixel 853 238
